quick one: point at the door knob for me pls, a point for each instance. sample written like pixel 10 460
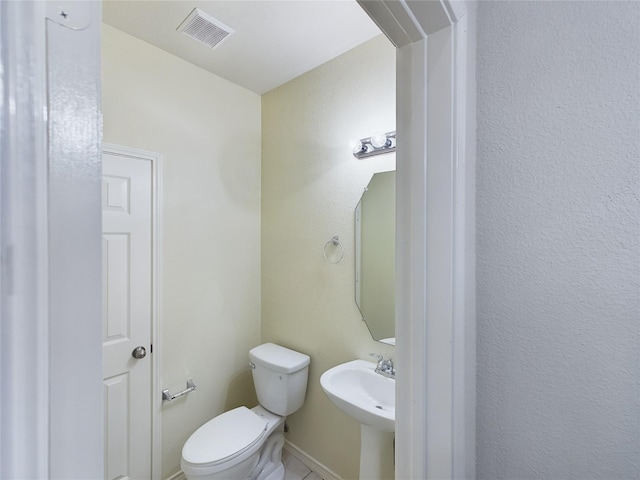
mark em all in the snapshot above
pixel 139 352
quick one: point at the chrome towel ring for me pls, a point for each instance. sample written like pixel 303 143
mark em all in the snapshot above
pixel 333 255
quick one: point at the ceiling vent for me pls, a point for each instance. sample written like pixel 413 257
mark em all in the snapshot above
pixel 204 28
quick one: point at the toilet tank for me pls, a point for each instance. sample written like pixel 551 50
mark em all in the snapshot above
pixel 280 377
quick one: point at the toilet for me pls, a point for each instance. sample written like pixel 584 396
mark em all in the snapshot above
pixel 243 443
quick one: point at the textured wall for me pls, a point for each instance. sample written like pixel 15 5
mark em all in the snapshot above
pixel 311 184
pixel 208 132
pixel 558 252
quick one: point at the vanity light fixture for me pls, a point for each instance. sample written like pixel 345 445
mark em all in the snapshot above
pixel 377 144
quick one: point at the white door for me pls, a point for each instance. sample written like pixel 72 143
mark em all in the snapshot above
pixel 127 315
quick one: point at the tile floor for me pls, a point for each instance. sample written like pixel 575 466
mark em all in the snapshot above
pixel 296 470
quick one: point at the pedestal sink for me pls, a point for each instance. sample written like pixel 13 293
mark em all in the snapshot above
pixel 356 389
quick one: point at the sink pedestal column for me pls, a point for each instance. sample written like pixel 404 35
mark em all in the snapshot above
pixel 376 454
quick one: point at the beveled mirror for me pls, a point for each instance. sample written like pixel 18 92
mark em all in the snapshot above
pixel 375 227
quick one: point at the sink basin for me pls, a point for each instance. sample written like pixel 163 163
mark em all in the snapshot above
pixel 358 391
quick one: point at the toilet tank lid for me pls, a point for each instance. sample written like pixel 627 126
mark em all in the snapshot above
pixel 279 358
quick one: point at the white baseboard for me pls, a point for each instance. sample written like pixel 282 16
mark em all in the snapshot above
pixel 177 476
pixel 310 462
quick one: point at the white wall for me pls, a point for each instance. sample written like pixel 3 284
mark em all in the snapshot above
pixel 311 184
pixel 558 255
pixel 208 132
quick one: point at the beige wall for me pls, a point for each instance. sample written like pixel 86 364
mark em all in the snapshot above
pixel 208 132
pixel 311 184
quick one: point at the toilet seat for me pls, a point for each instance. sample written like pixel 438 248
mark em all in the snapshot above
pixel 226 437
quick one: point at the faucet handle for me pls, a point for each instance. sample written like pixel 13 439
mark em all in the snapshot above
pixel 388 365
pixel 387 368
pixel 378 356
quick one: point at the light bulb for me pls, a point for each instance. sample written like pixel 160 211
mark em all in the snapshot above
pixel 357 146
pixel 378 139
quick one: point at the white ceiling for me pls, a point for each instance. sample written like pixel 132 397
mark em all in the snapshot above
pixel 274 40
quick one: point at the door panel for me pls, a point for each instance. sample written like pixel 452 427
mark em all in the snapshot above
pixel 116 400
pixel 115 254
pixel 127 315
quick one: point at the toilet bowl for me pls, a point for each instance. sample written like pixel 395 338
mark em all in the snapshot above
pixel 230 445
pixel 243 443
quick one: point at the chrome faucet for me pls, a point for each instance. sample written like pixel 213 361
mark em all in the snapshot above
pixel 384 367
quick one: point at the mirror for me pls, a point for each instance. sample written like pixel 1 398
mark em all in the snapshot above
pixel 375 227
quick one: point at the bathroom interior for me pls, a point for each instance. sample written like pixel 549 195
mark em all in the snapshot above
pixel 556 264
pixel 255 185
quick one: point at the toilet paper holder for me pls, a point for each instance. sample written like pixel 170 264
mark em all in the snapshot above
pixel 168 397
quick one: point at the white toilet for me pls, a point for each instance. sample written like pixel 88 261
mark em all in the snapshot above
pixel 246 444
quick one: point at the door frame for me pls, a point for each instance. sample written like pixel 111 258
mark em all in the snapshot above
pixel 155 160
pixel 435 239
